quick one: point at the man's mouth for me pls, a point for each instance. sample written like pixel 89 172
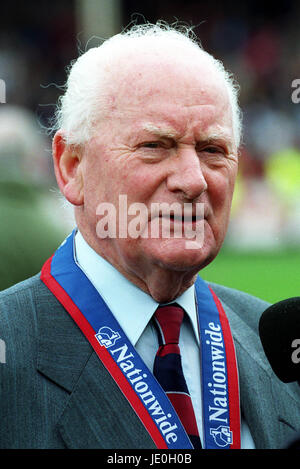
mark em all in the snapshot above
pixel 183 218
pixel 186 218
pixel 187 214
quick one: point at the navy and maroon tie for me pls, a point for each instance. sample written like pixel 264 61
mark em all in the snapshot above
pixel 168 368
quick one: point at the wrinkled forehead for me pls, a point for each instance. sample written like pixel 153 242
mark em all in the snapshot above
pixel 185 78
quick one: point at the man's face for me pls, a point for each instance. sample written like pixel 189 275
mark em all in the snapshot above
pixel 167 138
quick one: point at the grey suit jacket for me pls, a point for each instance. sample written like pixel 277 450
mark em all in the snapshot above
pixel 55 392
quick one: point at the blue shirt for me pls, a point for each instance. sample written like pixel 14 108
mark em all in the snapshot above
pixel 134 309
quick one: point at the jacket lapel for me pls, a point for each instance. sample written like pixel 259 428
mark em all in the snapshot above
pixel 95 413
pixel 270 407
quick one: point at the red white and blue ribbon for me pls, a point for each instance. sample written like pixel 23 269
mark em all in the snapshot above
pixel 65 279
pixel 220 386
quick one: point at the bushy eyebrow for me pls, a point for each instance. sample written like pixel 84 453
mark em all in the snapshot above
pixel 219 137
pixel 166 132
pixel 209 138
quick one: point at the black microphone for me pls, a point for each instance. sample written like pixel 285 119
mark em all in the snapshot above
pixel 279 330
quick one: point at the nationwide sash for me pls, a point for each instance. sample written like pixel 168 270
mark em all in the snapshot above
pixel 221 418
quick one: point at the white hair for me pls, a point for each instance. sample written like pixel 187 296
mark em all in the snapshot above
pixel 82 104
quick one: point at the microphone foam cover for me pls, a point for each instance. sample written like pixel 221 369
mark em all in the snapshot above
pixel 279 326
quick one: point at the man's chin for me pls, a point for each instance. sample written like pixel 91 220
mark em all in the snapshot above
pixel 182 254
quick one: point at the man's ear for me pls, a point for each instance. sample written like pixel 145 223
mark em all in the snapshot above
pixel 68 170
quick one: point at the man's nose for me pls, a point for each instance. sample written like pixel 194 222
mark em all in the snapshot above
pixel 187 175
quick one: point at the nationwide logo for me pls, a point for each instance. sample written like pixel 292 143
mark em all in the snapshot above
pixel 138 380
pixel 219 411
pixel 107 337
pixel 222 435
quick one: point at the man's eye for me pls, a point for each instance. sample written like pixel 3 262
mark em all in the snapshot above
pixel 212 150
pixel 150 145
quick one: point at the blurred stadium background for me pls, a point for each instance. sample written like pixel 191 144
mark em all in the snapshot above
pixel 259 42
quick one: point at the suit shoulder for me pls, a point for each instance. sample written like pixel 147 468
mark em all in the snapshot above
pixel 21 292
pixel 247 306
pixel 18 305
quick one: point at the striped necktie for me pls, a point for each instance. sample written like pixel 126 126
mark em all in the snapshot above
pixel 168 367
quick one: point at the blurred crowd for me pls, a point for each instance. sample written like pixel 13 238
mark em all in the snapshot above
pixel 265 59
pixel 35 46
pixel 259 44
pixel 33 219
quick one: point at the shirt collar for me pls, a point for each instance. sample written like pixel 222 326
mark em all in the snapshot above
pixel 134 308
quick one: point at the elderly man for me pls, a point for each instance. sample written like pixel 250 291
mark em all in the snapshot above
pixel 118 343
